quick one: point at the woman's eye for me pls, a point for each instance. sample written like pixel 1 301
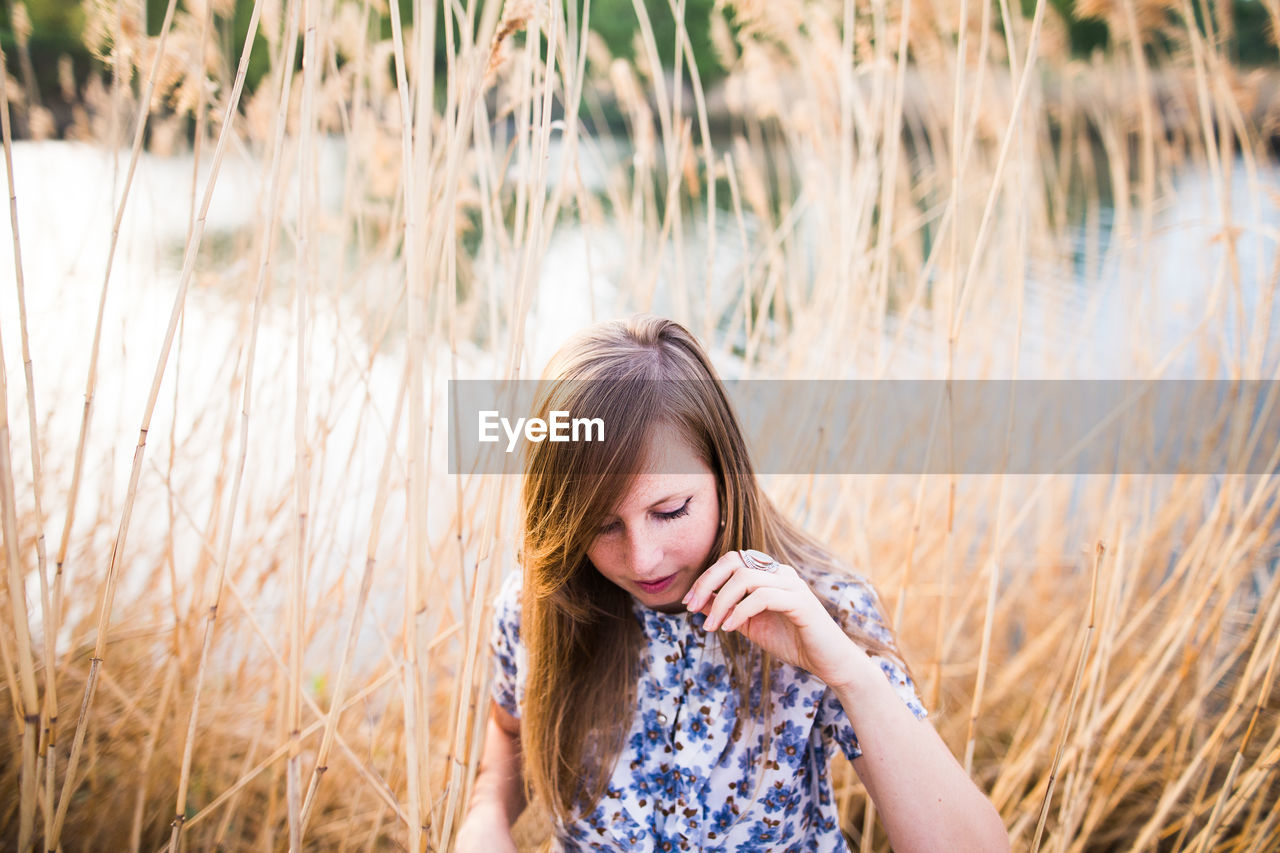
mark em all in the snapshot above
pixel 665 516
pixel 671 516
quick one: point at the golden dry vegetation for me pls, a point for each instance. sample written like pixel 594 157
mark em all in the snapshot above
pixel 256 601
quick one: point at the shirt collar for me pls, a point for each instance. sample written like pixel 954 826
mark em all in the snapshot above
pixel 671 626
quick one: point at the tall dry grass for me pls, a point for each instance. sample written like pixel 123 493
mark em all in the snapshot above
pixel 264 623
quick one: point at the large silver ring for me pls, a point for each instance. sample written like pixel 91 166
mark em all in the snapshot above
pixel 758 560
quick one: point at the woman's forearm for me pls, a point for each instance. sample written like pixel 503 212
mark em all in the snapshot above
pixel 498 796
pixel 924 797
pixel 500 783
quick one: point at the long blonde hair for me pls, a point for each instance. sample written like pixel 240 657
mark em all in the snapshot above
pixel 582 640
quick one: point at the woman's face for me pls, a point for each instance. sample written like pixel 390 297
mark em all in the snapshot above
pixel 657 541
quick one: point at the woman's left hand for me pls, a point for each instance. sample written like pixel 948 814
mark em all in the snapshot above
pixel 779 613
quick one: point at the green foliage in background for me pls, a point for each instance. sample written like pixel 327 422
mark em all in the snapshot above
pixel 58 26
pixel 1251 43
pixel 615 21
pixel 56 30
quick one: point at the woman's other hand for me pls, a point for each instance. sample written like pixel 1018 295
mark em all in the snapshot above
pixel 777 611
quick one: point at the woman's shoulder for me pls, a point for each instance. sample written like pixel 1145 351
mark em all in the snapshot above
pixel 509 589
pixel 506 605
pixel 507 649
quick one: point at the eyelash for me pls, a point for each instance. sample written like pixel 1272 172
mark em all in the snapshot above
pixel 665 516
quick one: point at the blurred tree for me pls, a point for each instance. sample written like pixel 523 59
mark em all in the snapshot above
pixel 57 28
pixel 1242 27
pixel 617 24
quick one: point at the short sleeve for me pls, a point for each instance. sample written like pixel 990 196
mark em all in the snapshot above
pixel 856 603
pixel 506 648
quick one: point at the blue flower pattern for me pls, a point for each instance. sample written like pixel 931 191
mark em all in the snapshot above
pixel 690 776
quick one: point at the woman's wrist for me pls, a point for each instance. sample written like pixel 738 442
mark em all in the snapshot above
pixel 856 672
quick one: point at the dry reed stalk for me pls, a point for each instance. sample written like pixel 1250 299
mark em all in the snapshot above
pixel 201 114
pixel 673 132
pixel 1146 686
pixel 1147 134
pixel 868 826
pixel 892 123
pixel 682 174
pixel 1207 834
pixel 441 244
pixel 1084 769
pixel 353 629
pixel 1075 799
pixel 409 677
pixel 1071 702
pixel 464 704
pixel 992 563
pixel 109 585
pixel 173 455
pixel 166 692
pixel 464 124
pixel 53 609
pixel 947 565
pixel 484 584
pixel 735 198
pixel 229 812
pixel 1174 787
pixel 461 115
pixel 1251 641
pixel 1116 751
pixel 577 41
pixel 283 666
pixel 280 752
pixel 1177 786
pixel 1253 785
pixel 29 701
pixel 20 27
pixel 1023 84
pixel 33 719
pixel 135 151
pixel 276 178
pixel 993 571
pixel 973 596
pixel 303 295
pixel 10 678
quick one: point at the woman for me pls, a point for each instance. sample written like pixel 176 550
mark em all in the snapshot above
pixel 678 661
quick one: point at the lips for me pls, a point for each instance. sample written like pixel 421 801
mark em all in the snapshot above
pixel 657 586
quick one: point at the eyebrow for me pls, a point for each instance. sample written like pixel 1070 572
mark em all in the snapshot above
pixel 667 498
pixel 678 494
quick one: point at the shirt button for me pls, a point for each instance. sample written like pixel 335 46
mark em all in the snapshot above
pixel 662 718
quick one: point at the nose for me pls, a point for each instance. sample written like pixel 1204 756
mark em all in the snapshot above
pixel 644 554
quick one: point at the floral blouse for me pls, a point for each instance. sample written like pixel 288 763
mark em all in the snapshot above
pixel 684 780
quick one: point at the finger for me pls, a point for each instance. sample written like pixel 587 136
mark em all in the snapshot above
pixel 726 596
pixel 711 580
pixel 742 583
pixel 762 599
pixel 785 572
